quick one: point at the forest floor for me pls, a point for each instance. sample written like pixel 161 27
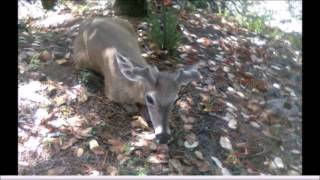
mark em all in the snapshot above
pixel 242 118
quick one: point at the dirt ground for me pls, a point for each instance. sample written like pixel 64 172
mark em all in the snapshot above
pixel 242 118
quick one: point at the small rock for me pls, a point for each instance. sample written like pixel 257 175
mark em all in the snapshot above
pixel 93 144
pixel 225 142
pixel 231 89
pixel 198 155
pixel 277 86
pixel 232 124
pixel 67 56
pixel 278 162
pixel 226 69
pixel 45 55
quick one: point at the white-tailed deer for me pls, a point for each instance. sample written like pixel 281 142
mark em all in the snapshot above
pixel 109 47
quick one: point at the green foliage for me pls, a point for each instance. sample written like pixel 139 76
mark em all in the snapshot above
pixel 48 4
pixel 90 79
pixel 295 39
pixel 34 62
pixel 202 4
pixel 169 39
pixel 136 8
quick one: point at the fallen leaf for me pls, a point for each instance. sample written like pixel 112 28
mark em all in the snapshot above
pixel 79 152
pixel 112 171
pixel 187 127
pixel 61 61
pixel 56 170
pixel 85 132
pixel 187 119
pixel 232 124
pixel 252 106
pixel 192 145
pixel 152 146
pixel 69 143
pixel 157 158
pixel 202 166
pixel 139 122
pixel 198 155
pixel 190 138
pixel 116 145
pixel 98 150
pixel 167 2
pixel 176 164
pixel 278 162
pixel 225 142
pixel 224 171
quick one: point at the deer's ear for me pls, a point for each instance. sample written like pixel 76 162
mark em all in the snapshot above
pixel 132 72
pixel 184 77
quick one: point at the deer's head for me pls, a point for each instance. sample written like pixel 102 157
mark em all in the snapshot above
pixel 161 91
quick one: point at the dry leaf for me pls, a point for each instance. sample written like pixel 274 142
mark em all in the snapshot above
pixel 139 122
pixel 176 164
pixel 191 145
pixel 98 150
pixel 198 155
pixel 112 171
pixel 190 138
pixel 187 119
pixel 187 127
pixel 225 142
pixel 116 145
pixel 56 170
pixel 152 146
pixel 157 158
pixel 79 152
pixel 61 61
pixel 85 132
pixel 202 166
pixel 69 143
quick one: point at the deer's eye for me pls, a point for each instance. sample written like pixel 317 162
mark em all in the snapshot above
pixel 150 100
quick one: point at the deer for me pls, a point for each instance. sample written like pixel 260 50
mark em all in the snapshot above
pixel 109 47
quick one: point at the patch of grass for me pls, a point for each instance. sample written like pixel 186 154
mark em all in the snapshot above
pixel 172 36
pixel 126 149
pixel 34 62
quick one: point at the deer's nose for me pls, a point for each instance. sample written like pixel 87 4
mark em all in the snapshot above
pixel 162 138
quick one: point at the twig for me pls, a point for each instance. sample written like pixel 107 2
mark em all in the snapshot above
pixel 256 154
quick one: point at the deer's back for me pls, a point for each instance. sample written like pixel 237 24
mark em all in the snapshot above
pixel 94 48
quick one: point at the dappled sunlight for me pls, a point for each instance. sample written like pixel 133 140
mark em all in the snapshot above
pixel 241 117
